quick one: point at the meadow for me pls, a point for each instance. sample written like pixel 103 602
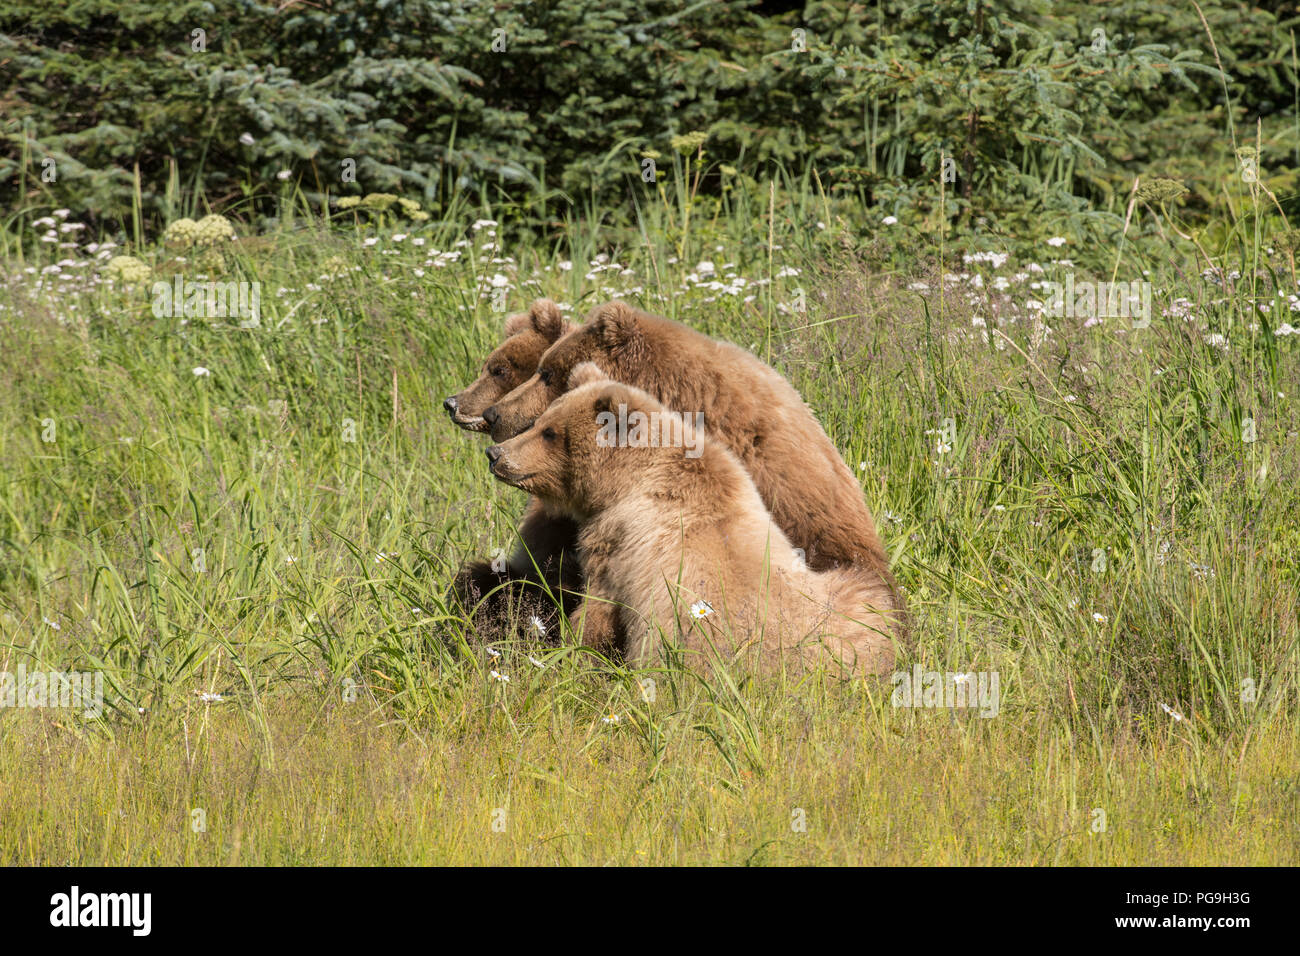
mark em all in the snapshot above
pixel 249 530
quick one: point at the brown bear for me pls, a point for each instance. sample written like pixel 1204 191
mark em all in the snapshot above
pixel 513 362
pixel 544 558
pixel 676 543
pixel 748 406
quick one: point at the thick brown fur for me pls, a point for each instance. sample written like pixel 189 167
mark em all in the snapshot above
pixel 527 336
pixel 662 531
pixel 812 495
pixel 545 557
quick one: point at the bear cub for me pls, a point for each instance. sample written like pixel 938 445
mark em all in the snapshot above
pixel 680 546
pixel 545 558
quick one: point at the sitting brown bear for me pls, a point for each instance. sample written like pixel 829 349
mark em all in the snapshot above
pixel 544 560
pixel 673 530
pixel 749 407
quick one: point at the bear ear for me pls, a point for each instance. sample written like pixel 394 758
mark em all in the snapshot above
pixel 519 322
pixel 584 373
pixel 617 327
pixel 547 319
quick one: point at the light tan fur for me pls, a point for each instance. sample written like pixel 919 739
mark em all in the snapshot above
pixel 662 531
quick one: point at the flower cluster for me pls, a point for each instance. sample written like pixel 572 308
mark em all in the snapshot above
pixel 1160 191
pixel 382 202
pixel 128 269
pixel 689 142
pixel 208 231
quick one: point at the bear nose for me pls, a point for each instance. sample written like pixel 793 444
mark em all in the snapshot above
pixel 493 453
pixel 450 405
pixel 491 416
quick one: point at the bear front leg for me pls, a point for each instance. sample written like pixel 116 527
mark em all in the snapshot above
pixel 547 553
pixel 521 597
pixel 502 606
pixel 473 582
pixel 596 619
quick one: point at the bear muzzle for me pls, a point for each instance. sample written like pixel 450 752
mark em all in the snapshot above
pixel 471 423
pixel 497 465
pixel 503 469
pixel 502 428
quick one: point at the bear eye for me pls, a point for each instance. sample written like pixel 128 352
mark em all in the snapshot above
pixel 500 371
pixel 545 375
pixel 548 434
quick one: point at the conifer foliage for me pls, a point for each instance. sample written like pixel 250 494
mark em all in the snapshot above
pixel 1022 107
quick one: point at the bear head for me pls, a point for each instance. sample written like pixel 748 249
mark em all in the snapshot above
pixel 572 455
pixel 513 362
pixel 613 338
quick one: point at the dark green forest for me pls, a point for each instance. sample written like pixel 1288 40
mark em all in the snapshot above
pixel 1013 117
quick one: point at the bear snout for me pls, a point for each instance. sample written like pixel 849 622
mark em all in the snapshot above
pixel 494 453
pixel 491 416
pixel 450 405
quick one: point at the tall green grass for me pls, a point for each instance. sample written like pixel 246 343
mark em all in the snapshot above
pixel 223 535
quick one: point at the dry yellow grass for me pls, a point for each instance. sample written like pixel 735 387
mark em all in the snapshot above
pixel 833 778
